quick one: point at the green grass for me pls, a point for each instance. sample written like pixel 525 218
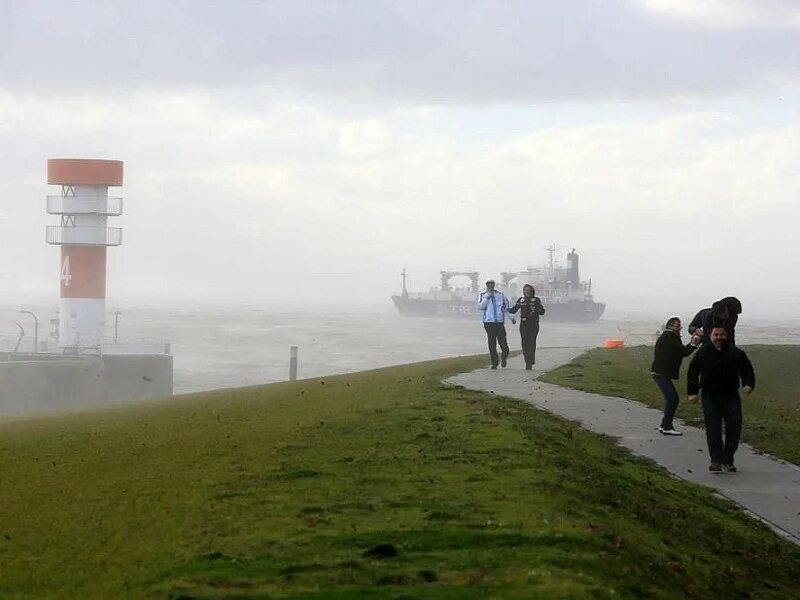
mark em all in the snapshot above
pixel 280 491
pixel 771 413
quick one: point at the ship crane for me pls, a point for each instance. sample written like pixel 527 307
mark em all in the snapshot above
pixel 448 275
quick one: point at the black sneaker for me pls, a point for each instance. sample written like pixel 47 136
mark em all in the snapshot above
pixel 729 468
pixel 493 367
pixel 503 362
pixel 715 467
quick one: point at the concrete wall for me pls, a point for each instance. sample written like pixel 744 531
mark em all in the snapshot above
pixel 35 382
pixel 129 377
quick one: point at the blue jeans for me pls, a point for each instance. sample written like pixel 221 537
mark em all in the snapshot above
pixel 716 410
pixel 671 399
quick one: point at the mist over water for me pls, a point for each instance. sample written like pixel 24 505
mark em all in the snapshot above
pixel 251 347
pixel 233 345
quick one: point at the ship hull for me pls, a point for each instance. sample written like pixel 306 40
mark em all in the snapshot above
pixel 574 311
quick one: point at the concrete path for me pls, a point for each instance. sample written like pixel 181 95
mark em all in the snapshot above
pixel 768 488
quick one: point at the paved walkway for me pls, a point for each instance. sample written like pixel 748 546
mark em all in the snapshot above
pixel 766 487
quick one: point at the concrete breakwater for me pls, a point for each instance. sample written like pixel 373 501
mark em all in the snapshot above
pixel 31 383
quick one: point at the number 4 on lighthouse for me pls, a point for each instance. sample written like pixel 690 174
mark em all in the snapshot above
pixel 66 276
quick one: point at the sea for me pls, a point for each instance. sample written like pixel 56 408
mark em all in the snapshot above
pixel 224 346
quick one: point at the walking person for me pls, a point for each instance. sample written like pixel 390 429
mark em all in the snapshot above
pixel 667 358
pixel 716 371
pixel 494 310
pixel 530 309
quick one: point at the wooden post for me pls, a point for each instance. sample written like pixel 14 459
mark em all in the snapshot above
pixel 293 363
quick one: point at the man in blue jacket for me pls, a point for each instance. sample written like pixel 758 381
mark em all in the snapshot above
pixel 667 358
pixel 494 308
pixel 717 369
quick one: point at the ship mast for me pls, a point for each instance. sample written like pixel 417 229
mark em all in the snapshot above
pixel 551 249
pixel 404 276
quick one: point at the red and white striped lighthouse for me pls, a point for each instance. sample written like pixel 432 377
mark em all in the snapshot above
pixel 84 206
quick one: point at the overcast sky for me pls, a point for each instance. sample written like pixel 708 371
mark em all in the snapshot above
pixel 306 149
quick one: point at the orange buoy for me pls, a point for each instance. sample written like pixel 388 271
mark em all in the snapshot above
pixel 613 344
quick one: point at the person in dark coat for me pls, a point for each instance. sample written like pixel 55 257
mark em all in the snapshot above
pixel 667 358
pixel 530 309
pixel 724 312
pixel 716 371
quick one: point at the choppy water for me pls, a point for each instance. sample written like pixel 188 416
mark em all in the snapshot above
pixel 235 346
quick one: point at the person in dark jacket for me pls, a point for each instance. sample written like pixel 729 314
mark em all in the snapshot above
pixel 530 309
pixel 723 312
pixel 716 371
pixel 667 359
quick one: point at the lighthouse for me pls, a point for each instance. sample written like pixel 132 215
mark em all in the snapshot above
pixel 83 234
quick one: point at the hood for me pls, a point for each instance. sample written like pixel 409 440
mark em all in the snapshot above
pixel 733 304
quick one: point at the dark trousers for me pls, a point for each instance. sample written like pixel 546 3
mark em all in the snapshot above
pixel 671 399
pixel 528 334
pixel 496 332
pixel 719 409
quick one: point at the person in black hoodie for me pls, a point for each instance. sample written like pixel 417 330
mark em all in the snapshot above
pixel 667 358
pixel 717 369
pixel 723 312
pixel 531 309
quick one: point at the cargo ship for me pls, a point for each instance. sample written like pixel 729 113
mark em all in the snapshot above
pixel 565 297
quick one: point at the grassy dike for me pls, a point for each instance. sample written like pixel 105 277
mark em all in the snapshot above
pixel 771 413
pixel 381 484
